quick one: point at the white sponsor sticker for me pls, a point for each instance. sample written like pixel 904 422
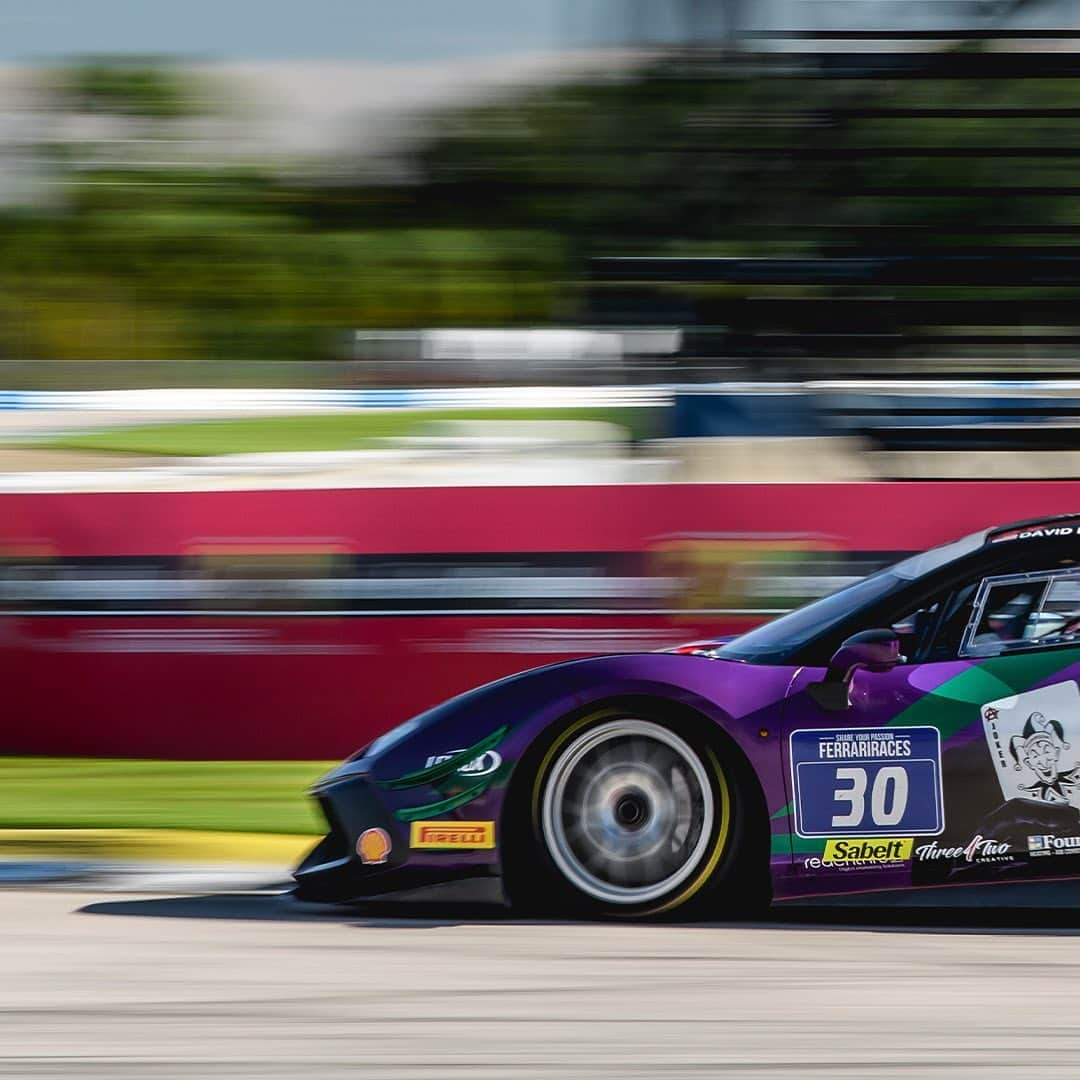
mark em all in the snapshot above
pixel 484 765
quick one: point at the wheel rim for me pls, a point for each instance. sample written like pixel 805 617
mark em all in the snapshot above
pixel 627 811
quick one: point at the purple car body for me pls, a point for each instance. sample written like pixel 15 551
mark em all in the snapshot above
pixel 865 770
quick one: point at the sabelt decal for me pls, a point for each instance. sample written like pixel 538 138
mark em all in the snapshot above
pixel 1034 740
pixel 452 835
pixel 373 847
pixel 867 782
pixel 840 852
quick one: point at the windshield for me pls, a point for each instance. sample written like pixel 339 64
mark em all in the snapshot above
pixel 776 641
pixel 926 562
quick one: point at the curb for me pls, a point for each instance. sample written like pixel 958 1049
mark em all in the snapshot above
pixel 190 847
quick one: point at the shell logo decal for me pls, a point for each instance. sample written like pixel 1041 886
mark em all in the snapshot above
pixel 373 846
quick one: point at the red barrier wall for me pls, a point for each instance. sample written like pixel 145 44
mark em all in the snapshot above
pixel 870 516
pixel 206 686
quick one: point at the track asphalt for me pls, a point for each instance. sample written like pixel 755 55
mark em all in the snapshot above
pixel 258 985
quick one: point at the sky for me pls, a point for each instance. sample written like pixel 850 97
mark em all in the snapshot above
pixel 421 31
pixel 386 31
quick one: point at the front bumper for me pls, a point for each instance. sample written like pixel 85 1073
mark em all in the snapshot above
pixel 334 872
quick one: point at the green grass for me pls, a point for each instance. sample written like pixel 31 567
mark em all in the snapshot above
pixel 90 793
pixel 336 431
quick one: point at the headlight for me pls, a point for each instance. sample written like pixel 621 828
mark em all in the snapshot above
pixel 711 649
pixel 394 736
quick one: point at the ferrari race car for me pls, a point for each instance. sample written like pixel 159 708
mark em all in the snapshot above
pixel 920 727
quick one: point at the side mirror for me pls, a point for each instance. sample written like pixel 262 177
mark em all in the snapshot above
pixel 874 650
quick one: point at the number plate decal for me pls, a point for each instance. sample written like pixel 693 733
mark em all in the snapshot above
pixel 867 781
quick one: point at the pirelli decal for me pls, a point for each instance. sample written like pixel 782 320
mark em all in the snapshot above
pixel 452 835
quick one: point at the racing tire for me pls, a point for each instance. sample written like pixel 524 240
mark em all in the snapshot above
pixel 629 813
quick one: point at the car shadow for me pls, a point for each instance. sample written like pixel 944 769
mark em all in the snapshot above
pixel 472 902
pixel 922 920
pixel 428 910
pixel 282 907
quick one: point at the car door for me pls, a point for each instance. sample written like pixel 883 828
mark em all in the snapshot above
pixel 962 766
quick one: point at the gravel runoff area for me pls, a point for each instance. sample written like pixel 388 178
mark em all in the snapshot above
pixel 253 985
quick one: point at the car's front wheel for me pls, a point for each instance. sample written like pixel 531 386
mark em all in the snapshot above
pixel 630 817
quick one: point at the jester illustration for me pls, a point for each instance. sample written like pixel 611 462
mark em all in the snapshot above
pixel 1039 748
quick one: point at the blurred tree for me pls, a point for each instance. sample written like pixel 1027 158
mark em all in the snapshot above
pixel 827 154
pixel 153 88
pixel 700 152
pixel 146 256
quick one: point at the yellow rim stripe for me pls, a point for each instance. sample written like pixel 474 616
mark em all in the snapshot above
pixel 721 841
pixel 577 725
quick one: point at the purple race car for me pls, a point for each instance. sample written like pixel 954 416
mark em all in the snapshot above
pixel 918 728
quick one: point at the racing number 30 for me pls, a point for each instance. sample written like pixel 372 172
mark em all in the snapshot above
pixel 867 781
pixel 888 796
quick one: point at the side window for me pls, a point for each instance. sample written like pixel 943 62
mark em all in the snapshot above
pixel 1024 612
pixel 1059 619
pixel 954 621
pixel 913 628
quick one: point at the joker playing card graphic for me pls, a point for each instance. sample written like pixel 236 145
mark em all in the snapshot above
pixel 1032 738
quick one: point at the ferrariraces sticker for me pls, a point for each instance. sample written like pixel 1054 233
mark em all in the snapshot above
pixel 867 782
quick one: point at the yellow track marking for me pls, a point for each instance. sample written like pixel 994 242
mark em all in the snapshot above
pixel 164 845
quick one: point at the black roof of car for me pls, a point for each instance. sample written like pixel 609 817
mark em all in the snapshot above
pixel 999 532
